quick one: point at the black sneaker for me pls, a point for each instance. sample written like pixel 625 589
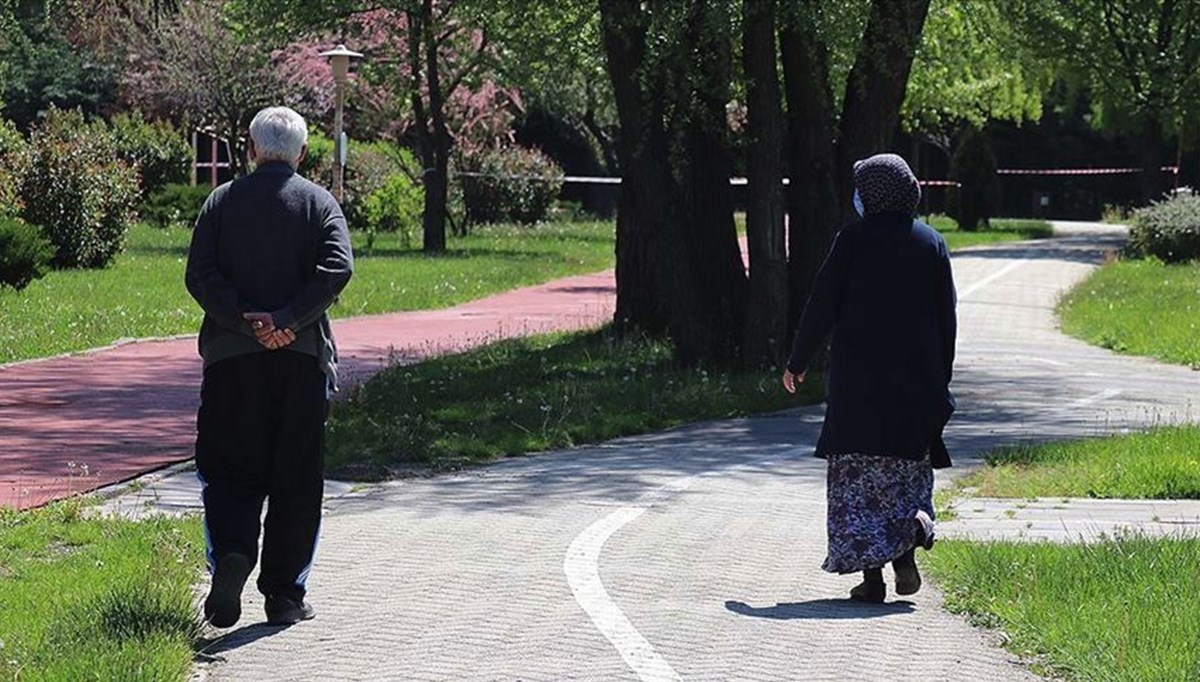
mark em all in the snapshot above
pixel 223 607
pixel 283 610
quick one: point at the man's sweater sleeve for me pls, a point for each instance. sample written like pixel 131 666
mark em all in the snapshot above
pixel 335 265
pixel 216 296
pixel 821 311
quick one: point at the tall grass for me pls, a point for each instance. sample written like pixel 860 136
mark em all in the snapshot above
pixel 1127 609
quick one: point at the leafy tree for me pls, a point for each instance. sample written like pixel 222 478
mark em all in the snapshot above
pixel 1140 58
pixel 974 167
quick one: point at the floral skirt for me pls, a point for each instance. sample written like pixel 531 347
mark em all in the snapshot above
pixel 877 508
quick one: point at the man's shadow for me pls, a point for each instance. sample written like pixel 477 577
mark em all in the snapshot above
pixel 820 608
pixel 209 649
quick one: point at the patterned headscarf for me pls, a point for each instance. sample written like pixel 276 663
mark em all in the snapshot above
pixel 886 183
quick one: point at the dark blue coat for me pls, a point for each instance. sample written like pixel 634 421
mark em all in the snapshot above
pixel 886 293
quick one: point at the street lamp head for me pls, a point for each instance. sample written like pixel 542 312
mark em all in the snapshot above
pixel 339 59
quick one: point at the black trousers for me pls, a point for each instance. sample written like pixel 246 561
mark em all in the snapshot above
pixel 261 436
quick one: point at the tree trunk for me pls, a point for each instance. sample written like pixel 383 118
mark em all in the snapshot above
pixel 766 325
pixel 437 180
pixel 813 202
pixel 645 186
pixel 876 86
pixel 1152 158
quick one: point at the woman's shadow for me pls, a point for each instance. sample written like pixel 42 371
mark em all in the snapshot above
pixel 824 609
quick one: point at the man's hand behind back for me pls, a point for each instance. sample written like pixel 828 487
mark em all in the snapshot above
pixel 267 334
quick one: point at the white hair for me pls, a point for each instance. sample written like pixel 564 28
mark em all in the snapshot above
pixel 279 134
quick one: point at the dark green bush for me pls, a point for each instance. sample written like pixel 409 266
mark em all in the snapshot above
pixel 14 162
pixel 174 205
pixel 77 189
pixel 974 165
pixel 508 185
pixel 1168 230
pixel 24 253
pixel 162 154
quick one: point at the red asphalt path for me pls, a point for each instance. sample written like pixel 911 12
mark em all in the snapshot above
pixel 80 422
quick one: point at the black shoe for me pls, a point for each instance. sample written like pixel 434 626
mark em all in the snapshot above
pixel 871 590
pixel 283 610
pixel 908 578
pixel 223 607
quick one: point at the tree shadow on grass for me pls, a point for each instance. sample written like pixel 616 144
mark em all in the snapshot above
pixel 821 609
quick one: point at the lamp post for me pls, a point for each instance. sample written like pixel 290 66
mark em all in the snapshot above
pixel 339 59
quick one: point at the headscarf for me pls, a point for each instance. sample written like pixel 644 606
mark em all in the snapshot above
pixel 885 183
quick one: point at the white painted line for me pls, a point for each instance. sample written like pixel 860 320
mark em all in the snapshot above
pixel 966 293
pixel 1093 399
pixel 582 567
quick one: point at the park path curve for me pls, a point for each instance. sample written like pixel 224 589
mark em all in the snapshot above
pixel 694 553
pixel 78 422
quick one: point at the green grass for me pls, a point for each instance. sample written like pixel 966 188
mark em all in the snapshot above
pixel 92 599
pixel 532 394
pixel 1163 463
pixel 1122 610
pixel 142 294
pixel 1001 230
pixel 1139 307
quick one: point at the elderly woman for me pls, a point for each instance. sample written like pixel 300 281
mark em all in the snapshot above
pixel 886 294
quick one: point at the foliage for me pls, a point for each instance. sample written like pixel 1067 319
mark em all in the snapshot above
pixel 14 162
pixel 97 599
pixel 174 204
pixel 77 190
pixel 1140 307
pixel 1168 230
pixel 1118 610
pixel 972 67
pixel 533 394
pixel 1162 464
pixel 140 295
pixel 394 208
pixel 508 184
pixel 369 166
pixel 161 153
pixel 974 166
pixel 24 253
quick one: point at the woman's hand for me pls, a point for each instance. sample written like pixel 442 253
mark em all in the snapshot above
pixel 790 380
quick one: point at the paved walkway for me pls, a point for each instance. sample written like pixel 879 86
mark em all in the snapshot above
pixel 75 423
pixel 694 553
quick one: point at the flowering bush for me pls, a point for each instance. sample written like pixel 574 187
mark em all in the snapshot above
pixel 1168 230
pixel 508 184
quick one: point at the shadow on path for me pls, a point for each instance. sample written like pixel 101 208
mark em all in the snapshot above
pixel 210 648
pixel 820 609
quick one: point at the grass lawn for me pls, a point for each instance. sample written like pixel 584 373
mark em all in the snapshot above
pixel 142 294
pixel 1002 230
pixel 92 599
pixel 1140 307
pixel 1124 609
pixel 532 394
pixel 1161 464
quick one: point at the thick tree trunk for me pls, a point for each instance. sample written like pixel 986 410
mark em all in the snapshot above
pixel 645 189
pixel 438 176
pixel 876 86
pixel 765 335
pixel 1152 159
pixel 813 202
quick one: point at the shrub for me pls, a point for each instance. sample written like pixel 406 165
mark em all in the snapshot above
pixel 161 153
pixel 1168 230
pixel 507 184
pixel 14 162
pixel 174 204
pixel 369 166
pixel 24 253
pixel 973 165
pixel 78 191
pixel 394 207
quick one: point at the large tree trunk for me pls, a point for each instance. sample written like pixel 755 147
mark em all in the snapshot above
pixel 875 89
pixel 436 137
pixel 645 187
pixel 813 202
pixel 766 324
pixel 1152 159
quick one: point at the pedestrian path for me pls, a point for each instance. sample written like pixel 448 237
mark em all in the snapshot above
pixel 79 422
pixel 692 554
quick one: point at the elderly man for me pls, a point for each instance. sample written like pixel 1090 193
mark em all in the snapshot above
pixel 270 253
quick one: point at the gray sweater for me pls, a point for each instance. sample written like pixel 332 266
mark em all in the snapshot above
pixel 272 242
